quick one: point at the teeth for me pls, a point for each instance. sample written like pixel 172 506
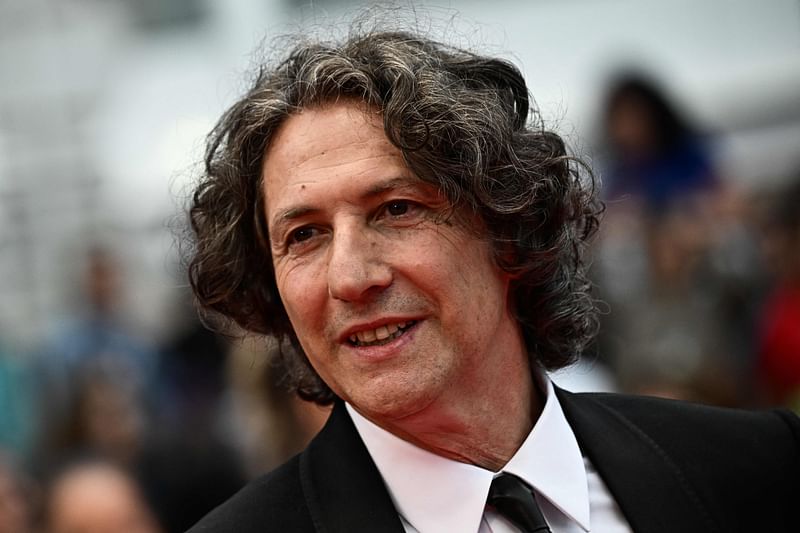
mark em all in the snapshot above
pixel 379 334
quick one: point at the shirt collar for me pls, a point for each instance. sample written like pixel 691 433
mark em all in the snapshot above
pixel 434 493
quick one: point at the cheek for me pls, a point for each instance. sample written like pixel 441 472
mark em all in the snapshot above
pixel 477 280
pixel 302 289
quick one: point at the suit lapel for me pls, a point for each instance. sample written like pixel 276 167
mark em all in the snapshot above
pixel 649 488
pixel 346 494
pixel 342 486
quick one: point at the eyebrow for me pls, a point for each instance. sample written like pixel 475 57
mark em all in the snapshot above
pixel 287 215
pixel 400 182
pixel 284 216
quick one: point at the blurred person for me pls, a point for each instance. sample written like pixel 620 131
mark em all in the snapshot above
pixel 108 393
pixel 654 153
pixel 192 371
pixel 665 334
pixel 93 368
pixel 189 463
pixel 18 502
pixel 96 330
pixel 395 213
pixel 185 476
pixel 96 327
pixel 95 496
pixel 106 417
pixel 677 259
pixel 270 423
pixel 779 346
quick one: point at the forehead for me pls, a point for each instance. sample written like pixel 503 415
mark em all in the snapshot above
pixel 315 130
pixel 328 151
pixel 339 129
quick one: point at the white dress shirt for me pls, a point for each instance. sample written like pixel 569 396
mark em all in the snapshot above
pixel 434 494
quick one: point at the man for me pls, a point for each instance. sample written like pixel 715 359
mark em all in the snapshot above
pixel 386 209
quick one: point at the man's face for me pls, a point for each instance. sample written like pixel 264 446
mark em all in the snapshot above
pixel 395 308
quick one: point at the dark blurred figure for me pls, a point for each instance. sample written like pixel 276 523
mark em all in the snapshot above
pixel 779 348
pixel 98 380
pixel 175 451
pixel 665 333
pixel 678 263
pixel 192 370
pixel 655 155
pixel 17 499
pixel 190 465
pixel 183 479
pixel 95 496
pixel 108 393
pixel 96 329
pixel 105 417
pixel 270 423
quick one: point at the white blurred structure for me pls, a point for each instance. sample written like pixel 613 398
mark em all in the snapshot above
pixel 104 106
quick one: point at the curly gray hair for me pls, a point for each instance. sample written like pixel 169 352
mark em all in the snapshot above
pixel 463 123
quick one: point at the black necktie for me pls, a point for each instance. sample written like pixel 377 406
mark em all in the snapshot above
pixel 513 499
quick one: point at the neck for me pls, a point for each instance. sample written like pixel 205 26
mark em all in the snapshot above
pixel 484 428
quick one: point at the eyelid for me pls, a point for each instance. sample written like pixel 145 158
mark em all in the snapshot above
pixel 384 207
pixel 289 238
pixel 294 231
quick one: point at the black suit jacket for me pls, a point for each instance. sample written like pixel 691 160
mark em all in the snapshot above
pixel 671 466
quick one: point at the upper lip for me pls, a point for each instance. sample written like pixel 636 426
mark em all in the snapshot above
pixel 366 326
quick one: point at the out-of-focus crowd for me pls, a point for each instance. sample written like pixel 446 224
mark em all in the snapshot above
pixel 102 431
pixel 698 281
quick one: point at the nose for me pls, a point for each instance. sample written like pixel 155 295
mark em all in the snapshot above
pixel 357 267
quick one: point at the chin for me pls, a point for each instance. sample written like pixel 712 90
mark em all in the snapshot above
pixel 391 403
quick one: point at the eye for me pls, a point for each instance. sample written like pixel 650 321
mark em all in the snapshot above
pixel 397 208
pixel 400 212
pixel 301 234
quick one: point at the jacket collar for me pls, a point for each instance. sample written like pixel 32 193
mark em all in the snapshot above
pixel 341 485
pixel 648 486
pixel 345 493
pixel 435 493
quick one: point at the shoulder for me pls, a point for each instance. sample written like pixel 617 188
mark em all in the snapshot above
pixel 719 448
pixel 273 502
pixel 662 417
pixel 722 469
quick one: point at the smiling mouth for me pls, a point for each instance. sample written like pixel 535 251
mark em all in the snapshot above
pixel 380 335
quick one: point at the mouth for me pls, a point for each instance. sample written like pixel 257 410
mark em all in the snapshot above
pixel 380 335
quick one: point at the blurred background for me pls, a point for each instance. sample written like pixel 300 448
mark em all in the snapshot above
pixel 109 386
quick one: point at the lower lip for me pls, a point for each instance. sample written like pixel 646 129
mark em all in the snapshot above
pixel 380 352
